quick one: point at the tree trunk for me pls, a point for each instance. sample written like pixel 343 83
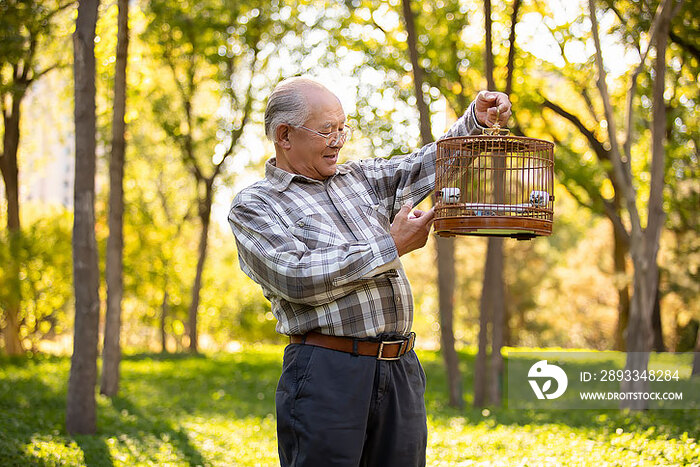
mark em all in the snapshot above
pixel 204 216
pixel 13 343
pixel 620 252
pixel 638 337
pixel 8 161
pixel 444 247
pixel 656 325
pixel 489 367
pixel 507 331
pixel 492 292
pixel 494 269
pixel 111 354
pixel 446 290
pixel 10 176
pixel 481 375
pixel 81 409
pixel 511 46
pixel 696 357
pixel 499 319
pixel 645 247
pixel 423 110
pixel 163 316
pixel 655 224
pixel 488 47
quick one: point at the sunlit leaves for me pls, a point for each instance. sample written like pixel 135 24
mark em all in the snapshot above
pixel 44 267
pixel 28 27
pixel 205 50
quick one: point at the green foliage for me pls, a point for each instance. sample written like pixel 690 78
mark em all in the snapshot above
pixel 219 410
pixel 158 241
pixel 26 28
pixel 582 161
pixel 233 307
pixel 45 271
pixel 216 60
pixel 560 289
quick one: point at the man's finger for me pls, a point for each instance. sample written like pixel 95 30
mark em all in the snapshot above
pixel 502 101
pixel 497 114
pixel 487 96
pixel 428 216
pixel 405 209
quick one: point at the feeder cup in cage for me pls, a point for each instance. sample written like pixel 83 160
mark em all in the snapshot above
pixel 494 184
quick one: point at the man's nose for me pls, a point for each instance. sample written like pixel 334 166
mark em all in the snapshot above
pixel 338 142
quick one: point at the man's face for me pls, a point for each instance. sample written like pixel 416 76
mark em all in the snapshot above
pixel 308 153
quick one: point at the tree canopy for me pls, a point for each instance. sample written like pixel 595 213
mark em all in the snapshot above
pixel 198 77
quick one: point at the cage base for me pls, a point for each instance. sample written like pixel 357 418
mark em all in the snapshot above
pixel 490 226
pixel 518 235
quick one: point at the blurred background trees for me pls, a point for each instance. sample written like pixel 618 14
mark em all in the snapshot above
pixel 26 45
pixel 197 78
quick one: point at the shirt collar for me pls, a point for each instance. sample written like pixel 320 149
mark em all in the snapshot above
pixel 281 179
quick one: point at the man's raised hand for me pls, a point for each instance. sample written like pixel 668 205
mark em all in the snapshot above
pixel 489 105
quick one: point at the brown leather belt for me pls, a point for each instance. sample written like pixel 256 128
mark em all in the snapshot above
pixel 382 350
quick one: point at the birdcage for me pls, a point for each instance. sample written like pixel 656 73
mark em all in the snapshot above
pixel 494 184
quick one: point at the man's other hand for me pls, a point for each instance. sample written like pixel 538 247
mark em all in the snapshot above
pixel 410 230
pixel 490 104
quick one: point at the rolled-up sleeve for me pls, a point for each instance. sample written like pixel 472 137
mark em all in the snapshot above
pixel 272 256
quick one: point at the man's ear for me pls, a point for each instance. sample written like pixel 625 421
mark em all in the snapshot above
pixel 282 136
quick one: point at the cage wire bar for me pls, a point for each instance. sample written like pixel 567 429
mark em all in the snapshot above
pixel 494 185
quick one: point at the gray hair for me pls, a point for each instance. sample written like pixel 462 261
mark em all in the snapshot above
pixel 287 104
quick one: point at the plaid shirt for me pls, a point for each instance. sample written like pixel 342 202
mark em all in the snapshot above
pixel 321 250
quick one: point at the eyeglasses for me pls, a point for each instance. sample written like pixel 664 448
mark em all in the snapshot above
pixel 333 138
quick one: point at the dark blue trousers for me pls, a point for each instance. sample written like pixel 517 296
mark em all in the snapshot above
pixel 336 409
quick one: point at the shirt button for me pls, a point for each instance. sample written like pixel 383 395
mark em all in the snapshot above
pixel 398 300
pixel 300 223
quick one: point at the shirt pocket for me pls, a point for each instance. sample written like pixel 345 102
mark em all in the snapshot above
pixel 315 232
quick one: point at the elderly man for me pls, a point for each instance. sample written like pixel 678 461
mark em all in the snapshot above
pixel 323 240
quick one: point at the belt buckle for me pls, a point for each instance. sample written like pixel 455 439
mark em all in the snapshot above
pixel 380 355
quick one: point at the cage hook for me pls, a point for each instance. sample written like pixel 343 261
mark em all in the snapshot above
pixel 496 128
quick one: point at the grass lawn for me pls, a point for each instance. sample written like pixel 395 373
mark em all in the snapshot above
pixel 219 410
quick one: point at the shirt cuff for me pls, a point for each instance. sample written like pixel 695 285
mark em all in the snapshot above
pixel 395 264
pixel 384 249
pixel 472 108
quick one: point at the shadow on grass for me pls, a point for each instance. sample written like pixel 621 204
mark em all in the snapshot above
pixel 234 386
pixel 95 450
pixel 164 356
pixel 32 410
pixel 137 424
pixel 32 421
